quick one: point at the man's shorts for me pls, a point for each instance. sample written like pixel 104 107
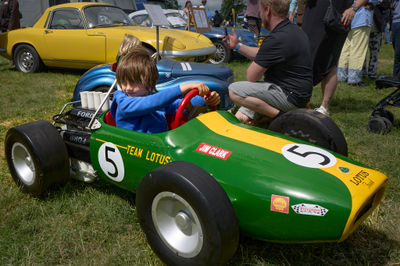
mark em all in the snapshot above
pixel 268 92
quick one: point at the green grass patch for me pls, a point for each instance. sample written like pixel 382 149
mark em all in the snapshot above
pixel 96 224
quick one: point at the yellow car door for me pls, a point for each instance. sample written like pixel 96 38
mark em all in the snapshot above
pixel 69 44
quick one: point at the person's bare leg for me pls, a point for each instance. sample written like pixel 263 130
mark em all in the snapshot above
pixel 328 85
pixel 254 104
pixel 242 117
pixel 260 106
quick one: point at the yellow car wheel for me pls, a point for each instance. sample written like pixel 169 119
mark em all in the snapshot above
pixel 26 59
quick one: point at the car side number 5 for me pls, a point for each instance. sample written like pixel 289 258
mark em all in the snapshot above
pixel 111 162
pixel 308 156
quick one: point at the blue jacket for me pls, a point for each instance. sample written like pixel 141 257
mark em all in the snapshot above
pixel 147 114
pixel 363 17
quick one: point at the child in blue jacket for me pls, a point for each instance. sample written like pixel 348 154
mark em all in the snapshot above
pixel 137 106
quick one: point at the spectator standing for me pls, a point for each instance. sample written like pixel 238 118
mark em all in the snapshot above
pixel 203 4
pixel 283 59
pixel 187 8
pixel 355 48
pixel 326 44
pixel 387 15
pixel 252 16
pixel 375 39
pixel 396 36
pixel 9 15
pixel 217 21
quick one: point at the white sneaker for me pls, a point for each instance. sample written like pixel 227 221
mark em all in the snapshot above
pixel 322 110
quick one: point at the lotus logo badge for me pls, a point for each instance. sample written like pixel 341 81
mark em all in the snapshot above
pixel 344 170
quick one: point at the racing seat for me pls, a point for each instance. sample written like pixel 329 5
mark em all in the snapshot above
pixel 109 119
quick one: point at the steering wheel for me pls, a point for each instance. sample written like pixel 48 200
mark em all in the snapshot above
pixel 182 106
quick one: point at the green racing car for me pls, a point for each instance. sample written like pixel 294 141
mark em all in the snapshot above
pixel 205 181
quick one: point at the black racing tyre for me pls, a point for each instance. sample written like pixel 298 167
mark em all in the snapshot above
pixel 186 215
pixel 384 113
pixel 105 88
pixel 379 125
pixel 26 59
pixel 37 157
pixel 223 53
pixel 313 127
pixel 102 88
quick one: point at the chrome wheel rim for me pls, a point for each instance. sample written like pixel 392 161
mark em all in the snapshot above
pixel 177 224
pixel 26 60
pixel 220 54
pixel 23 163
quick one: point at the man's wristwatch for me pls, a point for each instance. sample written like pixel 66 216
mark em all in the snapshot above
pixel 354 7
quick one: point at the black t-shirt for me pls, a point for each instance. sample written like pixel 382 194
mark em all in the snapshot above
pixel 285 52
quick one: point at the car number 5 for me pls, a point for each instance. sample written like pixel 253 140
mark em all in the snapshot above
pixel 111 162
pixel 308 156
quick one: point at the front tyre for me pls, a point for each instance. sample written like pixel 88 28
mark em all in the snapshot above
pixel 37 157
pixel 26 59
pixel 186 215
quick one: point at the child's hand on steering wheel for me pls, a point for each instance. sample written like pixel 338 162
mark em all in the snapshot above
pixel 212 99
pixel 201 86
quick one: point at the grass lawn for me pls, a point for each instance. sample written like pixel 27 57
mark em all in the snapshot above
pixel 96 224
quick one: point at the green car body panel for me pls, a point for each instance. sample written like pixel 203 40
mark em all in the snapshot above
pixel 265 187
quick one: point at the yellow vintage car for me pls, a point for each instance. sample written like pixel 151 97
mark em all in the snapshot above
pixel 82 35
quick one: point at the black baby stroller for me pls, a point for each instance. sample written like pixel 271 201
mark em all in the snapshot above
pixel 381 120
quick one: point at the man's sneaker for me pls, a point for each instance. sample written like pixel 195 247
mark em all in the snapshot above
pixel 322 110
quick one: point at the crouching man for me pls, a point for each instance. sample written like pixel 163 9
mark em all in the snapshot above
pixel 284 59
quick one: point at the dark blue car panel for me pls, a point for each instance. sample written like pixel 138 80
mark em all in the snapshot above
pixel 171 73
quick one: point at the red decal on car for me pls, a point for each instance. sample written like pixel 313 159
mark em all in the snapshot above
pixel 213 151
pixel 279 204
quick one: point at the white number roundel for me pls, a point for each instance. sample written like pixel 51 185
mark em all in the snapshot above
pixel 308 156
pixel 111 162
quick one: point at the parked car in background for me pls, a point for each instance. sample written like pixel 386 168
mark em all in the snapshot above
pixel 171 74
pixel 83 35
pixel 32 10
pixel 216 35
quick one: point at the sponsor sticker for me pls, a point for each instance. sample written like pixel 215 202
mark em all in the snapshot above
pixel 279 204
pixel 213 151
pixel 309 209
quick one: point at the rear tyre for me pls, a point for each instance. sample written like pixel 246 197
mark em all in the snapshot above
pixel 186 215
pixel 37 157
pixel 26 59
pixel 313 127
pixel 223 53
